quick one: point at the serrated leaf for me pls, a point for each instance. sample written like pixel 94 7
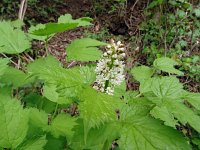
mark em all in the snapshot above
pixel 13 121
pixel 13 41
pixel 87 73
pixel 104 136
pixel 163 114
pixel 34 144
pixel 183 113
pixel 39 102
pixel 167 87
pixel 193 99
pixel 51 93
pixel 142 73
pixel 55 143
pixel 38 118
pixel 42 64
pixel 67 18
pixel 3 65
pixel 145 133
pixel 52 28
pixel 145 86
pixel 17 23
pixel 96 108
pixel 35 28
pixel 167 65
pixel 61 85
pixel 120 90
pixel 15 77
pixel 84 50
pixel 62 125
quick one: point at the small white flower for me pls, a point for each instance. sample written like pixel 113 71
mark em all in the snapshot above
pixel 114 56
pixel 108 46
pixel 121 49
pixel 109 52
pixel 119 43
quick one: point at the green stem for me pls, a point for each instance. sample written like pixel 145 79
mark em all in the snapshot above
pixel 55 111
pixel 46 46
pixel 139 95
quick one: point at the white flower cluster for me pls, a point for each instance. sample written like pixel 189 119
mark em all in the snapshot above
pixel 110 69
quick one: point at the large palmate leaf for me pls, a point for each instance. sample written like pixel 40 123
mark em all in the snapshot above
pixel 13 40
pixel 142 73
pixel 61 85
pixel 67 18
pixel 167 65
pixel 62 126
pixel 96 108
pixel 13 121
pixel 33 144
pixel 3 65
pixel 144 133
pixel 84 50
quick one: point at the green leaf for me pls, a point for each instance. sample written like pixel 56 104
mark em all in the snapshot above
pixel 181 14
pixel 13 121
pixel 17 23
pixel 42 65
pixel 96 108
pixel 193 99
pixel 39 102
pixel 32 29
pixel 38 118
pixel 54 92
pixel 145 86
pixel 61 85
pixel 3 65
pixel 13 41
pixel 52 28
pixel 120 90
pixel 55 143
pixel 183 113
pixel 51 93
pixel 87 74
pixel 167 87
pixel 142 73
pixel 67 18
pixel 104 135
pixel 197 12
pixel 167 65
pixel 62 125
pixel 84 50
pixel 144 133
pixel 162 113
pixel 34 144
pixel 15 77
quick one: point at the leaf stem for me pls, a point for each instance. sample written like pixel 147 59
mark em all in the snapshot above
pixel 55 111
